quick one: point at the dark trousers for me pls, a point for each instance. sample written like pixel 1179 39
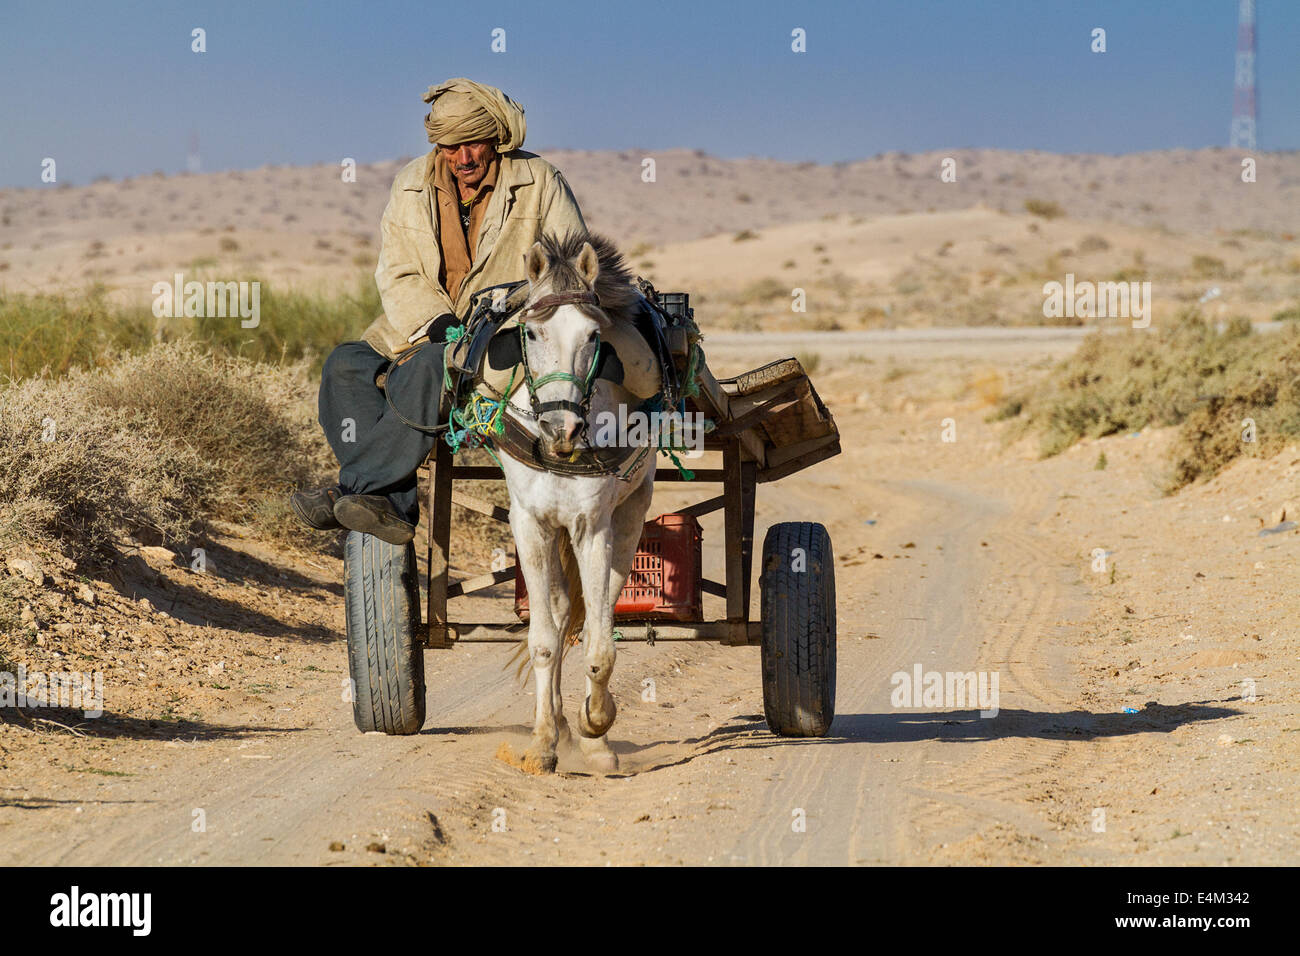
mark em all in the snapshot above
pixel 378 453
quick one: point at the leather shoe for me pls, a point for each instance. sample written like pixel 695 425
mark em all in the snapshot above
pixel 373 514
pixel 315 509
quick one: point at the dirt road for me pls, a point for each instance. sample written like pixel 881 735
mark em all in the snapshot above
pixel 951 556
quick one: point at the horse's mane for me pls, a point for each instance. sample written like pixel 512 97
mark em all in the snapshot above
pixel 618 296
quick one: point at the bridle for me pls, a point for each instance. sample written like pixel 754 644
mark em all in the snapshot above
pixel 523 446
pixel 541 309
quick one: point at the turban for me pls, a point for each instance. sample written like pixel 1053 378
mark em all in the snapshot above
pixel 462 111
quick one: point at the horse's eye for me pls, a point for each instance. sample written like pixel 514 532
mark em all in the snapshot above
pixel 591 337
pixel 532 336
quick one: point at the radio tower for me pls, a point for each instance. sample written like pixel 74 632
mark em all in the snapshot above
pixel 1242 134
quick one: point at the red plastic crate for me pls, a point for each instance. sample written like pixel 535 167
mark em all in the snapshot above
pixel 665 580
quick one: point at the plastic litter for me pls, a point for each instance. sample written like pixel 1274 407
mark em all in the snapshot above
pixel 1130 710
pixel 1278 528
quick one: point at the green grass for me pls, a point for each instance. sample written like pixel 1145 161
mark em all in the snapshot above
pixel 56 333
pixel 59 332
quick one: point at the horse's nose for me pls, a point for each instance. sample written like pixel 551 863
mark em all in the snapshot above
pixel 561 429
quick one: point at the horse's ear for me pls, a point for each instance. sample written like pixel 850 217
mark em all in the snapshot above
pixel 535 262
pixel 588 264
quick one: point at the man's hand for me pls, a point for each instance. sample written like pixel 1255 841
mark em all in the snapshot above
pixel 436 330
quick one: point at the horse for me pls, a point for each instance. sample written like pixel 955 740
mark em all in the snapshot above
pixel 577 507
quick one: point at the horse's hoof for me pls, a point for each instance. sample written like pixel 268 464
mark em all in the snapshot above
pixel 590 726
pixel 598 755
pixel 539 761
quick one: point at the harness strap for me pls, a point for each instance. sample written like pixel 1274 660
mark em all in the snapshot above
pixel 556 299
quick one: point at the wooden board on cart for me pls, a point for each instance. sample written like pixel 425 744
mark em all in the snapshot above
pixel 776 414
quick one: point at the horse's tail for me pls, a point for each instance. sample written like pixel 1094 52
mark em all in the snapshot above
pixel 577 616
pixel 571 626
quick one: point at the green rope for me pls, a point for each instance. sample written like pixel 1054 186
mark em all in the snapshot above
pixel 686 473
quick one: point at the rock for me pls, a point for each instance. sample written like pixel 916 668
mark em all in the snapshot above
pixel 218 668
pixel 159 556
pixel 86 593
pixel 26 569
pixel 64 629
pixel 28 615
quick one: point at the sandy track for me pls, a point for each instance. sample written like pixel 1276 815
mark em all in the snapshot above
pixel 699 766
pixel 947 556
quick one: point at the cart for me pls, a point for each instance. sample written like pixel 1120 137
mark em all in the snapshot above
pixel 769 423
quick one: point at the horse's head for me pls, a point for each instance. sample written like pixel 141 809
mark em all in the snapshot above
pixel 560 328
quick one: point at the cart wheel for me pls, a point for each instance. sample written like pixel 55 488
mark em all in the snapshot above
pixel 381 598
pixel 797 585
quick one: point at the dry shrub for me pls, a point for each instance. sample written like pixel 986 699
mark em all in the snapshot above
pixel 158 442
pixel 1189 374
pixel 252 423
pixel 988 387
pixel 1045 208
pixel 100 473
pixel 1208 267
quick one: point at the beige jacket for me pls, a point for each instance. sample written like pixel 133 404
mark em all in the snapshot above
pixel 530 197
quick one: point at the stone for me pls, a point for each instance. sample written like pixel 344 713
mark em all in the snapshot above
pixel 26 569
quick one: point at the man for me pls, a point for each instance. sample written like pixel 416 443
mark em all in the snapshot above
pixel 459 220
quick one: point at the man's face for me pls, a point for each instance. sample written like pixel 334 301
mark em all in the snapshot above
pixel 469 161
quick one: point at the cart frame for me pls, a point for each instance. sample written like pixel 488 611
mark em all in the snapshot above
pixel 743 408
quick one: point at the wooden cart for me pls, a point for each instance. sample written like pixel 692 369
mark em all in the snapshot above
pixel 770 423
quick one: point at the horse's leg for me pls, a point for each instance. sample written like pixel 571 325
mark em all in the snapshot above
pixel 624 534
pixel 560 617
pixel 592 545
pixel 535 546
pixel 627 521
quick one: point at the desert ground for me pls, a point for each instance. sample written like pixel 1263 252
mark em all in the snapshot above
pixel 1146 707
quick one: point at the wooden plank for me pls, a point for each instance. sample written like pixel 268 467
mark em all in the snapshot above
pixel 496 512
pixel 713 399
pixel 738 520
pixel 742 406
pixel 715 588
pixel 707 506
pixel 787 453
pixel 779 398
pixel 648 632
pixel 829 450
pixel 772 373
pixel 701 474
pixel 470 585
pixel 439 518
pixel 477 473
pixel 715 404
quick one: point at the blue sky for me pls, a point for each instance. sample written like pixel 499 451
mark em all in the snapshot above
pixel 112 88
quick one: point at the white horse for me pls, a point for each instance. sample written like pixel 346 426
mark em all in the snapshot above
pixel 575 511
